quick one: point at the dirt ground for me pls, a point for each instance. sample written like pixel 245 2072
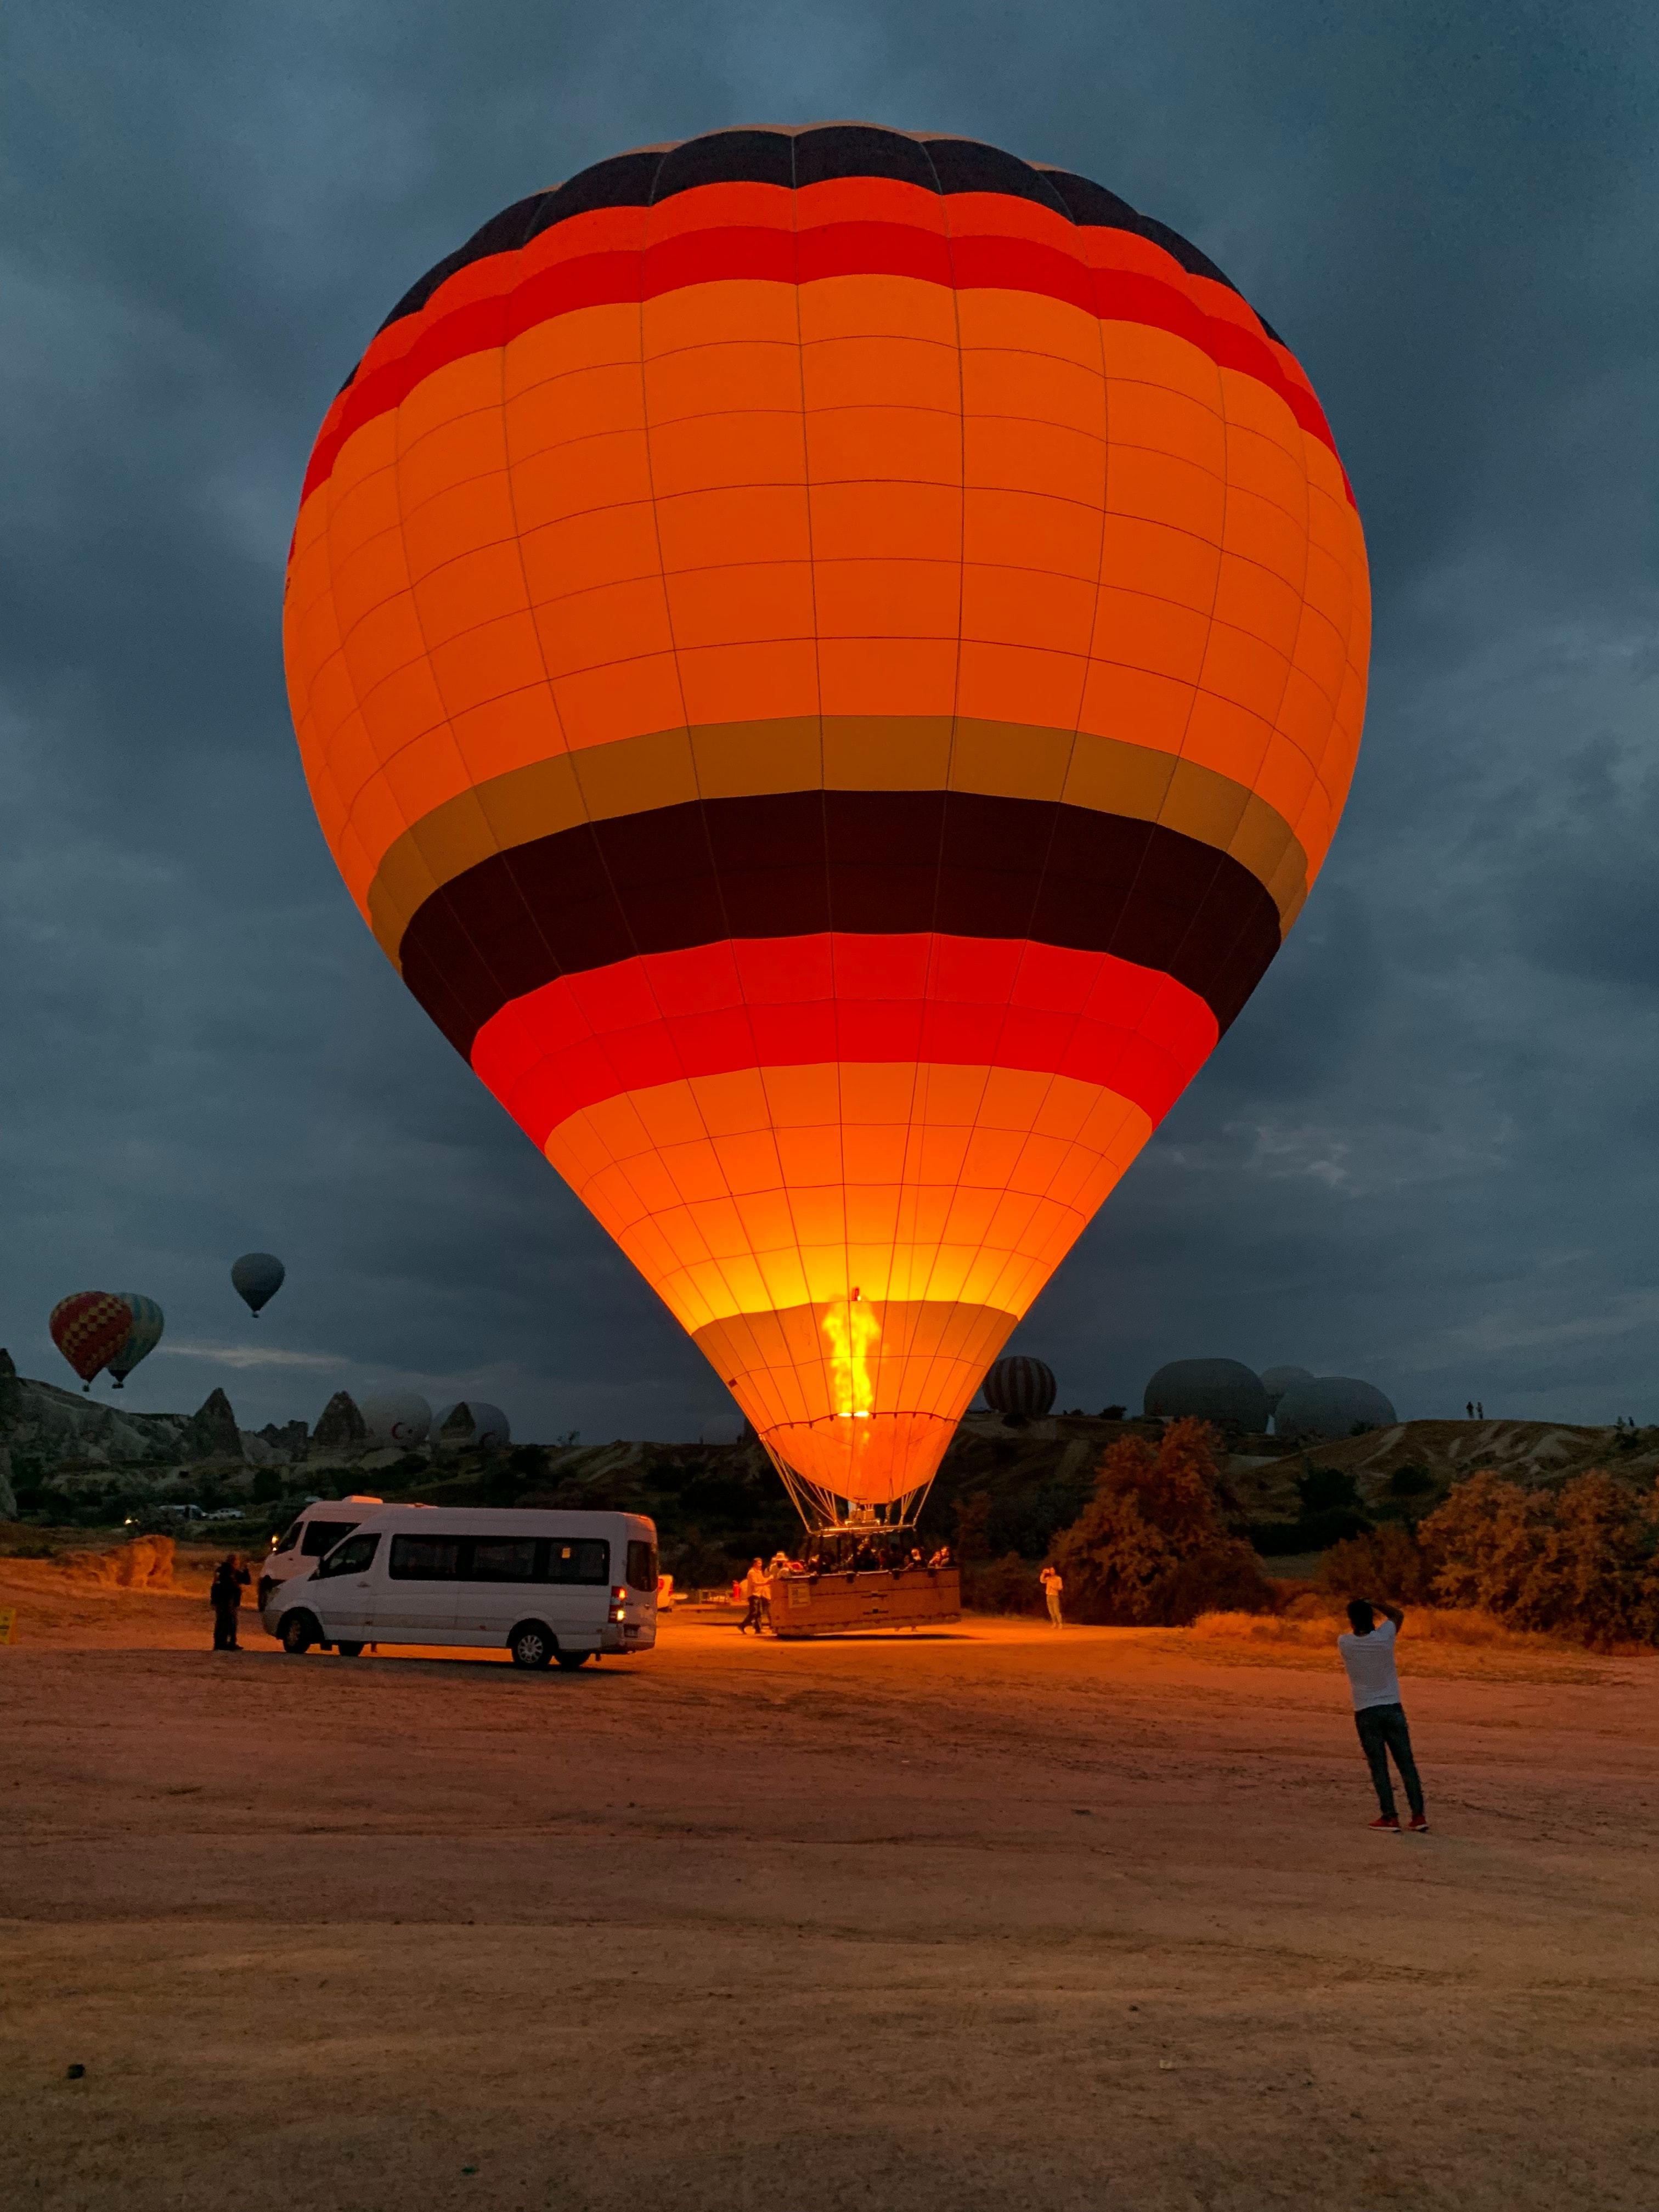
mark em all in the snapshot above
pixel 998 1918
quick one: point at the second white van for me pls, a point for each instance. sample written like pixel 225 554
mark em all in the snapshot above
pixel 318 1530
pixel 546 1585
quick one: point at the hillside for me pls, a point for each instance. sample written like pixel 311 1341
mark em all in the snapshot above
pixel 81 1460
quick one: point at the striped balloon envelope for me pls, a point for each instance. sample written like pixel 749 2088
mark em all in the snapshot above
pixel 142 1339
pixel 1020 1389
pixel 829 660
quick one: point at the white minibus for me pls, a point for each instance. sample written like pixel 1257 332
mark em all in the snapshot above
pixel 321 1523
pixel 545 1585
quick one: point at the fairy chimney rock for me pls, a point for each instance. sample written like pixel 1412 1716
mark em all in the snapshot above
pixel 211 1432
pixel 341 1427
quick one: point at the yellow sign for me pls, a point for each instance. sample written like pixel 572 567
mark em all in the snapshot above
pixel 8 1622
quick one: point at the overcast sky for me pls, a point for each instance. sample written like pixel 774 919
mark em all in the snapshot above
pixel 1425 1154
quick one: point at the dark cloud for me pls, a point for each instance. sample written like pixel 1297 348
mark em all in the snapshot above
pixel 1424 1152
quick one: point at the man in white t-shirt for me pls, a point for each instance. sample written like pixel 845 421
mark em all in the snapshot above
pixel 1368 1654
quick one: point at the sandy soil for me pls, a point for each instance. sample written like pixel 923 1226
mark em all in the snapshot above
pixel 997 1918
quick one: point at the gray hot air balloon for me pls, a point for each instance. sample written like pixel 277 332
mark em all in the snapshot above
pixel 1331 1408
pixel 473 1422
pixel 1276 1381
pixel 256 1278
pixel 397 1417
pixel 1224 1391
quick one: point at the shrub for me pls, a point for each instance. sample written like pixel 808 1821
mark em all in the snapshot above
pixel 1331 1513
pixel 1006 1585
pixel 1151 1547
pixel 1410 1481
pixel 1224 1579
pixel 1386 1563
pixel 1583 1560
pixel 973 1523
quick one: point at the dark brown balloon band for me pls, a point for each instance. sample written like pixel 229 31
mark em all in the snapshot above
pixel 801 863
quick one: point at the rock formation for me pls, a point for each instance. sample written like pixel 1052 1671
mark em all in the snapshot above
pixel 211 1432
pixel 40 1421
pixel 342 1433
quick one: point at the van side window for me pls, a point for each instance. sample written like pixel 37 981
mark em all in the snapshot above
pixel 577 1559
pixel 642 1566
pixel 425 1559
pixel 323 1535
pixel 502 1559
pixel 352 1559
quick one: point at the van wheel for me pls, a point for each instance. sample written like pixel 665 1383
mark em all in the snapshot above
pixel 350 1651
pixel 300 1632
pixel 572 1659
pixel 531 1644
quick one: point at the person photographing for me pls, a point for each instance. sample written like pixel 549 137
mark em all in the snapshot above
pixel 230 1579
pixel 1368 1654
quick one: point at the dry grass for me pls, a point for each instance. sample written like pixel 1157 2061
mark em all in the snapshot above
pixel 1309 1626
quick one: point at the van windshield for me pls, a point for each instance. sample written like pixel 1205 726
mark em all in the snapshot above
pixel 323 1535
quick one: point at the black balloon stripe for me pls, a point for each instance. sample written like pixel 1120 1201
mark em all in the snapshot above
pixel 947 166
pixel 884 863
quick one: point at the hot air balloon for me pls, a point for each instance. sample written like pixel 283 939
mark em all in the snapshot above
pixel 89 1327
pixel 143 1337
pixel 256 1278
pixel 397 1417
pixel 474 1421
pixel 830 659
pixel 1020 1389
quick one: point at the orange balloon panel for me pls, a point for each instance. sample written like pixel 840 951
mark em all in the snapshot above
pixel 830 659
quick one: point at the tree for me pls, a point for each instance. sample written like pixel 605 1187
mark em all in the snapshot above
pixel 1582 1561
pixel 1386 1563
pixel 1152 1546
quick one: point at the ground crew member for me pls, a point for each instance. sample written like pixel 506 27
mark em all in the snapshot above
pixel 755 1587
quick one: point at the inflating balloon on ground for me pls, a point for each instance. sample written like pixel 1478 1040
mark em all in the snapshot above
pixel 830 659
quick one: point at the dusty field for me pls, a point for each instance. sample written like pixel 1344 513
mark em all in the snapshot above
pixel 998 1919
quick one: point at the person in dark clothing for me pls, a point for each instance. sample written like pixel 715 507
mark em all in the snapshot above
pixel 230 1579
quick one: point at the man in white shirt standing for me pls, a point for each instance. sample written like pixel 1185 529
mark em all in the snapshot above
pixel 1053 1585
pixel 1368 1654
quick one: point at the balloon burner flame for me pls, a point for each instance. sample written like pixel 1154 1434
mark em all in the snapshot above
pixel 850 1329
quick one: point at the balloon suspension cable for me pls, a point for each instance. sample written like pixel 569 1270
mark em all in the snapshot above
pixel 823 1510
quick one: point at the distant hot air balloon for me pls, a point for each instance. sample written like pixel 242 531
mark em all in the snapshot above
pixel 830 659
pixel 397 1417
pixel 256 1278
pixel 1020 1389
pixel 89 1327
pixel 143 1337
pixel 474 1421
